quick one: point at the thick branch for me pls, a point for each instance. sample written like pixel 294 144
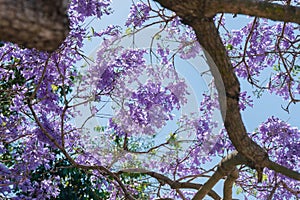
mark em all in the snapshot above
pixel 40 24
pixel 220 65
pixel 173 184
pixel 225 168
pixel 225 79
pixel 209 8
pixel 283 170
pixel 263 9
pixel 227 190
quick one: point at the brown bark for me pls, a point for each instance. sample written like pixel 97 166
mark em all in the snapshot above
pixel 210 40
pixel 40 24
pixel 283 170
pixel 173 184
pixel 262 9
pixel 228 184
pixel 209 8
pixel 226 167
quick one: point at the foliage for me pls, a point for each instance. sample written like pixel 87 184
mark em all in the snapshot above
pixel 117 126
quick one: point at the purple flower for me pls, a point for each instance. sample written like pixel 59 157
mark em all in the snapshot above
pixel 48 128
pixel 139 13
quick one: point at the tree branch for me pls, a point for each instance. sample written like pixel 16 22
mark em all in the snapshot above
pixel 173 184
pixel 227 190
pixel 40 24
pixel 283 170
pixel 263 9
pixel 209 8
pixel 225 168
pixel 228 88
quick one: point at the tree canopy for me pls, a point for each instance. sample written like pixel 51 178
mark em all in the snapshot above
pixel 115 125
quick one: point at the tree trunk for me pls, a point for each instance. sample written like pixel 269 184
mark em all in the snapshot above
pixel 40 24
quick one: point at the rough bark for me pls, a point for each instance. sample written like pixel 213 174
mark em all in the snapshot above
pixel 210 40
pixel 228 184
pixel 209 8
pixel 174 184
pixel 283 170
pixel 226 167
pixel 40 24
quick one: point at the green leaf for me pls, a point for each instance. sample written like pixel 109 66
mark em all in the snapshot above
pixel 128 31
pixel 239 190
pixel 157 36
pixel 99 128
pixel 276 68
pixel 93 30
pixel 229 47
pixel 264 177
pixel 54 87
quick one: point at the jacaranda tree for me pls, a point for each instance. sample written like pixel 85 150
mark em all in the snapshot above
pixel 81 126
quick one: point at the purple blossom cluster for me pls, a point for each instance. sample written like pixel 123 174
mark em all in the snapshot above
pixel 146 98
pixel 257 46
pixel 188 46
pixel 45 189
pixel 79 10
pixel 148 106
pixel 113 63
pixel 47 128
pixel 261 46
pixel 144 104
pixel 245 100
pixel 279 138
pixel 282 143
pixel 139 13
